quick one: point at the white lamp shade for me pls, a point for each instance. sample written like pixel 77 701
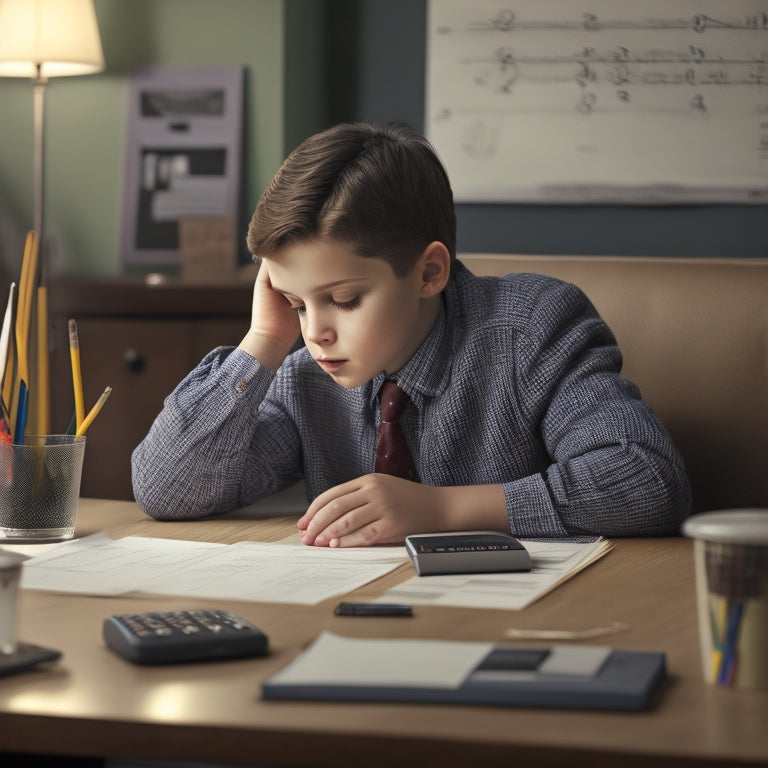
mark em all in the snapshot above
pixel 61 36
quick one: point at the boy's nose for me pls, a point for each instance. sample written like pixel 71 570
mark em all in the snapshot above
pixel 317 331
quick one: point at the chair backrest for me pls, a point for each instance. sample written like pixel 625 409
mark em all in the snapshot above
pixel 694 335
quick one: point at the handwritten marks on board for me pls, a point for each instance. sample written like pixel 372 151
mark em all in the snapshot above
pixel 559 100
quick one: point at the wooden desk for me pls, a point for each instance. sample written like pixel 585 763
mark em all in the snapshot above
pixel 95 704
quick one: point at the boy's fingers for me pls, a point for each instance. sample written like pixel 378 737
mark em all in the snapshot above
pixel 341 512
pixel 339 518
pixel 334 511
pixel 317 504
pixel 356 539
pixel 352 533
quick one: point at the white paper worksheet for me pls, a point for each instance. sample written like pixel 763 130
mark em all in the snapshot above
pixel 333 659
pixel 553 562
pixel 249 570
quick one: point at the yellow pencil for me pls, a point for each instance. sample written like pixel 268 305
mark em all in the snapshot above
pixel 26 285
pixel 77 377
pixel 717 662
pixel 22 325
pixel 43 388
pixel 94 412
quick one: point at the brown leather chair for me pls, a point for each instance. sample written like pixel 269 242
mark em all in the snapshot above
pixel 694 335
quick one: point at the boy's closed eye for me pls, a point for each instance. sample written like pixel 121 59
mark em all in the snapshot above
pixel 346 305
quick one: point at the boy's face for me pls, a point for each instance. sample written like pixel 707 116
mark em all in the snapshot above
pixel 357 318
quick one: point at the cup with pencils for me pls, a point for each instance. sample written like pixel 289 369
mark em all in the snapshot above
pixel 39 473
pixel 731 557
pixel 40 487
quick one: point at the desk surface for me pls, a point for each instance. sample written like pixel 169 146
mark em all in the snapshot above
pixel 93 703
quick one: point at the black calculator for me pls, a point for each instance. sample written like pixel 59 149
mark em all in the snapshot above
pixel 181 636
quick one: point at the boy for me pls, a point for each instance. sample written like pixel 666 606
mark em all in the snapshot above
pixel 516 417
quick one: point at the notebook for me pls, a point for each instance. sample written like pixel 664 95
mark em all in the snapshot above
pixel 336 668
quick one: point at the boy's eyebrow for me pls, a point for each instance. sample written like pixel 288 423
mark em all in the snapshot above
pixel 325 286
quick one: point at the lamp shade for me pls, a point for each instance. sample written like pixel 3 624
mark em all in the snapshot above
pixel 61 37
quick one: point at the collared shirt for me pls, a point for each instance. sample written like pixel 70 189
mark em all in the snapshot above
pixel 518 384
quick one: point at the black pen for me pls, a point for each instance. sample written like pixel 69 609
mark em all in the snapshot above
pixel 373 609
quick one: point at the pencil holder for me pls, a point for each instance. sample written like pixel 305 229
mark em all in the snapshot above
pixel 731 560
pixel 40 486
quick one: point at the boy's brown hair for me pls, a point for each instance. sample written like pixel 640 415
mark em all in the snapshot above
pixel 379 187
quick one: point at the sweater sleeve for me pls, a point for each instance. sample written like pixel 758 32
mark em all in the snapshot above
pixel 614 470
pixel 217 444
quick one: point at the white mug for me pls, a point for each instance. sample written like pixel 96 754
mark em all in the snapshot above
pixel 10 578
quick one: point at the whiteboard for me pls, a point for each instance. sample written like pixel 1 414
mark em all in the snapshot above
pixel 610 101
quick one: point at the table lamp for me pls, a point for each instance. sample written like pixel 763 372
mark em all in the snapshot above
pixel 40 39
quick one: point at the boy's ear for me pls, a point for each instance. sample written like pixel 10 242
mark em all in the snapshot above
pixel 435 266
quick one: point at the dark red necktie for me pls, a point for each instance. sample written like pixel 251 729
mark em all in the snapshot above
pixel 392 454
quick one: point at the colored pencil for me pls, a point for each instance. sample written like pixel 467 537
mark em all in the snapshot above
pixel 94 412
pixel 22 325
pixel 77 378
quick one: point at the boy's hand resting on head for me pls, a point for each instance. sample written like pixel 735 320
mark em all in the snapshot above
pixel 274 324
pixel 383 509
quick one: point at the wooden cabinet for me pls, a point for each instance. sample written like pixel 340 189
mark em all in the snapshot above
pixel 141 340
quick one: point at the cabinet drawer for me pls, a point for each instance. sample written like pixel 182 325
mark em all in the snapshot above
pixel 142 361
pixel 141 341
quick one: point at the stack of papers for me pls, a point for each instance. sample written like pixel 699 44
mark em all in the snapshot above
pixel 287 573
pixel 553 563
pixel 249 570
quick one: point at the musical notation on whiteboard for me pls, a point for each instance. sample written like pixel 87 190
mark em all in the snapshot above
pixel 506 20
pixel 607 101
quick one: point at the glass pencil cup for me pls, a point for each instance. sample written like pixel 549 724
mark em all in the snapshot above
pixel 731 562
pixel 40 486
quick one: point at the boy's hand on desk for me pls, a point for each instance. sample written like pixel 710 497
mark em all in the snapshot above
pixel 372 509
pixel 383 509
pixel 274 324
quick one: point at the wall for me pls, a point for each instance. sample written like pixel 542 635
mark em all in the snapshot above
pixel 388 65
pixel 86 116
pixel 309 63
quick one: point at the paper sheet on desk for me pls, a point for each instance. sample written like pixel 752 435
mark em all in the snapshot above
pixel 29 550
pixel 553 563
pixel 248 570
pixel 335 660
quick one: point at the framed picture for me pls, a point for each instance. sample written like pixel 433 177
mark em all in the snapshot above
pixel 183 156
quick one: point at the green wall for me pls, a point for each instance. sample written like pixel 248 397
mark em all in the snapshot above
pixel 277 42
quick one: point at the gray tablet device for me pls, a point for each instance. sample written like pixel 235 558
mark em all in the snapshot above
pixel 466 552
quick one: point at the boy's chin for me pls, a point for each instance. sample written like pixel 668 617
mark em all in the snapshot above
pixel 349 381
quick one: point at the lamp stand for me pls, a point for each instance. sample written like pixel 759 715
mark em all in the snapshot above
pixel 38 84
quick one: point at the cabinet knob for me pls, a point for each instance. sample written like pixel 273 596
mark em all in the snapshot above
pixel 134 361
